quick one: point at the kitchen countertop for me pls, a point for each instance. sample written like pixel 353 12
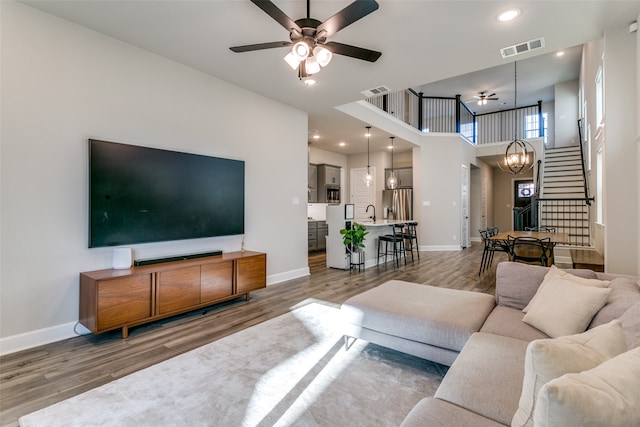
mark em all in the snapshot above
pixel 384 222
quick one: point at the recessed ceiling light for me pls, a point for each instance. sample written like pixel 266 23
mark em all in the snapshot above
pixel 342 144
pixel 560 53
pixel 316 136
pixel 508 15
pixel 390 147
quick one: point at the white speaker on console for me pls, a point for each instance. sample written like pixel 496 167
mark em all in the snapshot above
pixel 122 258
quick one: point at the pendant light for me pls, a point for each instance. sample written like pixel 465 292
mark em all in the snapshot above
pixel 368 179
pixel 392 181
pixel 519 155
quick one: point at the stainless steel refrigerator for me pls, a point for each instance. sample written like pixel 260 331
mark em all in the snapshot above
pixel 397 204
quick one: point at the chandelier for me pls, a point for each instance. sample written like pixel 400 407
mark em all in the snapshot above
pixel 519 155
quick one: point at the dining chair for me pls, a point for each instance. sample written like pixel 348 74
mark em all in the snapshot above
pixel 490 248
pixel 530 250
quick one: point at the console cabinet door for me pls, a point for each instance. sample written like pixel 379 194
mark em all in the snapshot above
pixel 251 273
pixel 124 300
pixel 216 281
pixel 178 289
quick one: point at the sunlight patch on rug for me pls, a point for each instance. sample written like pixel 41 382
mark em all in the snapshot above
pixel 290 370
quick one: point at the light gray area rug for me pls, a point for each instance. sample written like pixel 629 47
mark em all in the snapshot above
pixel 289 371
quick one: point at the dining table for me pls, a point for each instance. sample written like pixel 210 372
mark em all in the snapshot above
pixel 502 239
pixel 554 238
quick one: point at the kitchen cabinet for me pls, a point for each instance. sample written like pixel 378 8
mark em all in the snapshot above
pixel 329 175
pixel 404 176
pixel 328 184
pixel 312 233
pixel 312 183
pixel 118 299
pixel 317 232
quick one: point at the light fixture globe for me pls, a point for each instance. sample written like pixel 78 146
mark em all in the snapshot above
pixel 312 65
pixel 368 179
pixel 300 50
pixel 322 55
pixel 392 181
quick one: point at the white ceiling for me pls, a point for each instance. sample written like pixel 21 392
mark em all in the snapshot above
pixel 424 44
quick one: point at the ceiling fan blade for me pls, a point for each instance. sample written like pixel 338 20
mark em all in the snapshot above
pixel 347 16
pixel 353 51
pixel 259 46
pixel 489 96
pixel 279 16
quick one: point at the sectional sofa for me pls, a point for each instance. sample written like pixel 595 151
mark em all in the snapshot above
pixel 571 358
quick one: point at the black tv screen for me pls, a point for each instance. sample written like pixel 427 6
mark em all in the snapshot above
pixel 140 195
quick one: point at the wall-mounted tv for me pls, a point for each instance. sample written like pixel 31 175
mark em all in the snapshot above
pixel 141 195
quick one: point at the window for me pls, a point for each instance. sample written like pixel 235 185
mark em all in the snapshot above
pixel 532 127
pixel 599 186
pixel 599 97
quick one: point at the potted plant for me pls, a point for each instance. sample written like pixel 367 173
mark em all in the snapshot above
pixel 353 239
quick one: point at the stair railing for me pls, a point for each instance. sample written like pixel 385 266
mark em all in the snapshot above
pixel 582 162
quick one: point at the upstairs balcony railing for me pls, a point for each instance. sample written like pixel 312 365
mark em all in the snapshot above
pixel 451 115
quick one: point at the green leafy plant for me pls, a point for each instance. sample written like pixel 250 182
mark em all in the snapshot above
pixel 353 238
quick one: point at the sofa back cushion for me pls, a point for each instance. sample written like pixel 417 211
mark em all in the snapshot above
pixel 625 292
pixel 517 283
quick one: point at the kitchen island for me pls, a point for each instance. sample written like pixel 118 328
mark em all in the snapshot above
pixel 336 250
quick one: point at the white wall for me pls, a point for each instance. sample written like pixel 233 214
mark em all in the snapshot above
pixel 621 168
pixel 566 114
pixel 62 84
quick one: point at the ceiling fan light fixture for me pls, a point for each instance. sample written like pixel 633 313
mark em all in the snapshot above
pixel 300 50
pixel 292 60
pixel 322 55
pixel 312 65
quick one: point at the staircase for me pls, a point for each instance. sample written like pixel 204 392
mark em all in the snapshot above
pixel 562 197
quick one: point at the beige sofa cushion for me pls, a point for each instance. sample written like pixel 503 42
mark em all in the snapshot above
pixel 607 395
pixel 548 359
pixel 517 283
pixel 508 322
pixel 562 307
pixel 625 292
pixel 555 273
pixel 486 378
pixel 631 325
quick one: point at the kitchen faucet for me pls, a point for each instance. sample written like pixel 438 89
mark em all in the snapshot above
pixel 373 217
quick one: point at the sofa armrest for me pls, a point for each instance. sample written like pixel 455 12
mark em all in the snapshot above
pixel 517 283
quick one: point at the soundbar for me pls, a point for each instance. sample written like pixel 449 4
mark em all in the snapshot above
pixel 149 261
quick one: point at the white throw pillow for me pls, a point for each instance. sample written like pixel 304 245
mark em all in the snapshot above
pixel 554 272
pixel 564 308
pixel 548 359
pixel 607 395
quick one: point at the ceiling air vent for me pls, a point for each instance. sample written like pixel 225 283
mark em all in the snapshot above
pixel 522 47
pixel 375 91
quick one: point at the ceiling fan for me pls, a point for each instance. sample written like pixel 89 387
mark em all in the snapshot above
pixel 482 97
pixel 308 37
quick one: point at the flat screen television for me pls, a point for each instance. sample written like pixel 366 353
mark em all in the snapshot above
pixel 141 195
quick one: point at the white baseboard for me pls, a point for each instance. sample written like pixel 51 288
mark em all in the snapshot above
pixel 40 337
pixel 440 248
pixel 287 275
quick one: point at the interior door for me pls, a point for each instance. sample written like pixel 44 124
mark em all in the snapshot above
pixel 522 192
pixel 361 195
pixel 464 207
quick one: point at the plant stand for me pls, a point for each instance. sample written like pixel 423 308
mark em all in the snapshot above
pixel 356 260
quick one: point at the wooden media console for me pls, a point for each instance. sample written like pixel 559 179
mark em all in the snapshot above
pixel 112 299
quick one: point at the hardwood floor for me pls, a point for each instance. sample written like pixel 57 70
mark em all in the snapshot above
pixel 38 377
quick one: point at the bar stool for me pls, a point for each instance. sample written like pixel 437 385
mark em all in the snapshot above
pixel 411 236
pixel 396 240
